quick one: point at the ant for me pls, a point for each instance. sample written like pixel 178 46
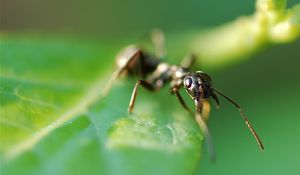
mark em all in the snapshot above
pixel 154 74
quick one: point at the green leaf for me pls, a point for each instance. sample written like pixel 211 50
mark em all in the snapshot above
pixel 54 120
pixel 40 81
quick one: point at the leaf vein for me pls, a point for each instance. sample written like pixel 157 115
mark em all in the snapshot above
pixel 87 100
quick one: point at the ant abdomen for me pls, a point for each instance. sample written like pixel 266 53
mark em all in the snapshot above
pixel 136 62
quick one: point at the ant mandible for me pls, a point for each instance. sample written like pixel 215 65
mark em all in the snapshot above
pixel 155 73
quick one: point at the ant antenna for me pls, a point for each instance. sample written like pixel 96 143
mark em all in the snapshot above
pixel 258 140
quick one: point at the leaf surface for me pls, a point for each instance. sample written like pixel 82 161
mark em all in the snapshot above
pixel 54 120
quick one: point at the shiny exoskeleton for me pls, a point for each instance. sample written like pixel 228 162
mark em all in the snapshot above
pixel 154 74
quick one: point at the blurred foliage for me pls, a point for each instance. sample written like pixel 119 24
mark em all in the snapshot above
pixel 119 18
pixel 270 23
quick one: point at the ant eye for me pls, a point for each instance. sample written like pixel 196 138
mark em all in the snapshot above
pixel 188 82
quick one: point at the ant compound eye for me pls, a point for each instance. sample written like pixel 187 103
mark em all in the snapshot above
pixel 188 82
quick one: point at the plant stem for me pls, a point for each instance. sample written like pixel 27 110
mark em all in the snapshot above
pixel 270 23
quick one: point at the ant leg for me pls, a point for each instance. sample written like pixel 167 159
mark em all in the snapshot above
pixel 124 59
pixel 143 83
pixel 215 97
pixel 188 61
pixel 180 99
pixel 206 133
pixel 200 120
pixel 205 110
pixel 158 40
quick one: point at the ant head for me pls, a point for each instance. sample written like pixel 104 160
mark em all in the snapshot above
pixel 198 85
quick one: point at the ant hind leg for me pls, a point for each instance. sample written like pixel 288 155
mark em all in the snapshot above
pixel 144 84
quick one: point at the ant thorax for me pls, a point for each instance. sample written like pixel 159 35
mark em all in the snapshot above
pixel 167 73
pixel 160 75
pixel 178 74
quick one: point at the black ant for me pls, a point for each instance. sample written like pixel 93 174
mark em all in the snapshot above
pixel 154 74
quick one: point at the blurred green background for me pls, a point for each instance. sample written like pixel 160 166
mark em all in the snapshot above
pixel 266 85
pixel 116 18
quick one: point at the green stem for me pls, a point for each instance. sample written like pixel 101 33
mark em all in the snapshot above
pixel 271 23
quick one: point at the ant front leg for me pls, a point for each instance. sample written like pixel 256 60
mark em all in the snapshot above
pixel 144 84
pixel 205 131
pixel 175 91
pixel 201 122
pixel 203 107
